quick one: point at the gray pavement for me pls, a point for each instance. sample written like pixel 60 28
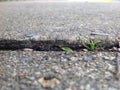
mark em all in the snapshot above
pixel 31 70
pixel 59 21
pixel 74 22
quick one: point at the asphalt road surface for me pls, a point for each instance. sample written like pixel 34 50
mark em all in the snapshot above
pixel 61 21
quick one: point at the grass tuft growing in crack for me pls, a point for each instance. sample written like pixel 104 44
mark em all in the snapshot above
pixel 93 45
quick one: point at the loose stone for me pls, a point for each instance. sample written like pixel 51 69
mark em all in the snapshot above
pixel 87 59
pixel 30 35
pixel 24 59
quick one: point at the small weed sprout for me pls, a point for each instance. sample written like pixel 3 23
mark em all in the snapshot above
pixel 92 45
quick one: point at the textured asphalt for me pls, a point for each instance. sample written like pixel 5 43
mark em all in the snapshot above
pixel 59 21
pixel 21 70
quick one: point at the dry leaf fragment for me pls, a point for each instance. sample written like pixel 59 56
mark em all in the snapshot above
pixel 48 83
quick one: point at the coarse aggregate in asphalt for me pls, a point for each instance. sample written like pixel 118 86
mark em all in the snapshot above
pixel 32 70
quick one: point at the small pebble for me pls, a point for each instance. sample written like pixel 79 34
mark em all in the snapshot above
pixel 118 49
pixel 32 78
pixel 36 37
pixel 24 59
pixel 30 35
pixel 114 48
pixel 64 59
pixel 87 59
pixel 87 87
pixel 106 57
pixel 48 83
pixel 85 50
pixel 108 74
pixel 37 74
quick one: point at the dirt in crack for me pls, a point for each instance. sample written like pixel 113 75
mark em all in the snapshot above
pixel 49 45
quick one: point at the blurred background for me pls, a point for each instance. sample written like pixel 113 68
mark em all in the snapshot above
pixel 69 0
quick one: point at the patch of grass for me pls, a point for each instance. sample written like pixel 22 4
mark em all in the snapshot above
pixel 93 45
pixel 66 49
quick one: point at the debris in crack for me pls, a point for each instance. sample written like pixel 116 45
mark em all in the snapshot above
pixel 27 49
pixel 114 49
pixel 118 66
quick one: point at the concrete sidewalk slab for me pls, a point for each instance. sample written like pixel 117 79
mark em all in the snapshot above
pixel 59 21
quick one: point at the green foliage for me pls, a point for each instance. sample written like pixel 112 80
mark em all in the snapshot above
pixel 92 45
pixel 67 49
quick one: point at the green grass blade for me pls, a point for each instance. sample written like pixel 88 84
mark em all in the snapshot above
pixel 67 49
